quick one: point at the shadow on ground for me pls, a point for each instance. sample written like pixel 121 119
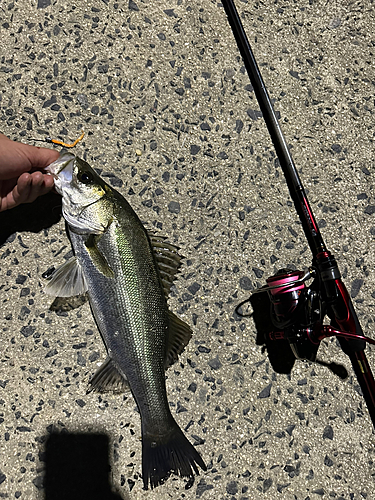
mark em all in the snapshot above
pixel 77 467
pixel 32 217
pixel 279 352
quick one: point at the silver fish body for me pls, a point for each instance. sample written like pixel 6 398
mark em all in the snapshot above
pixel 127 274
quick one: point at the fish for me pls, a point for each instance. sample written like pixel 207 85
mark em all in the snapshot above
pixel 127 273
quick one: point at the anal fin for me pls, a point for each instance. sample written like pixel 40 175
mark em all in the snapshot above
pixel 108 379
pixel 179 334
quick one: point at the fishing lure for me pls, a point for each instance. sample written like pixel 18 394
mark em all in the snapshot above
pixel 61 143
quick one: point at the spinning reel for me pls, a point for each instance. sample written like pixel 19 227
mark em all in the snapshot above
pixel 297 312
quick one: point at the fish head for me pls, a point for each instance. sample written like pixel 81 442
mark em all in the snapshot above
pixel 83 192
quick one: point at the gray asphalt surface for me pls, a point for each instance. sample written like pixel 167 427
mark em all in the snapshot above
pixel 172 122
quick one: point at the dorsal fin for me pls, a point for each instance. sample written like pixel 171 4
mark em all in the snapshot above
pixel 168 260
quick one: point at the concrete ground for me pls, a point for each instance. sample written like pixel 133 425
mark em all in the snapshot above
pixel 172 123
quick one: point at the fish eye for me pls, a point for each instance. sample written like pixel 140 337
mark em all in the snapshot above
pixel 85 177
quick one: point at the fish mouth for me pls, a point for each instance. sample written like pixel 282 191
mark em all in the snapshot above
pixel 62 170
pixel 73 209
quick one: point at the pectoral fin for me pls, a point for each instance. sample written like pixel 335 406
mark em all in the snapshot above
pixel 97 257
pixel 68 280
pixel 108 379
pixel 179 334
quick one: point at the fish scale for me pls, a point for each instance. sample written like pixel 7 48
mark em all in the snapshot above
pixel 138 315
pixel 127 274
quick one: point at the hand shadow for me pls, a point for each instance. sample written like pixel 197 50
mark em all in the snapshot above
pixel 32 217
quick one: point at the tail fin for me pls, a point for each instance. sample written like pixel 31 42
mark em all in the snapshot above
pixel 171 453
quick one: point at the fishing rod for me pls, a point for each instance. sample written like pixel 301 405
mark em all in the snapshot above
pixel 298 310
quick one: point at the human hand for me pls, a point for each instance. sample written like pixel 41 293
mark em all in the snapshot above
pixel 21 176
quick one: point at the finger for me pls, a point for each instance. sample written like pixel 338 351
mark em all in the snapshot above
pixel 49 181
pixel 36 179
pixel 37 185
pixel 39 158
pixel 22 189
pixel 17 158
pixel 6 194
pixel 26 190
pixel 41 184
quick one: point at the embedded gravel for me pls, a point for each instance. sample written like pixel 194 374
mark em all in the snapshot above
pixel 172 122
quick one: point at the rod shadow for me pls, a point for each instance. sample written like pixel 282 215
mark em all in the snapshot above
pixel 77 467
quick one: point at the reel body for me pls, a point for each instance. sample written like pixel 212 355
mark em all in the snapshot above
pixel 297 311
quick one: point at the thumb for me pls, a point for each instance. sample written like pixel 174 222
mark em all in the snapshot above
pixel 38 158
